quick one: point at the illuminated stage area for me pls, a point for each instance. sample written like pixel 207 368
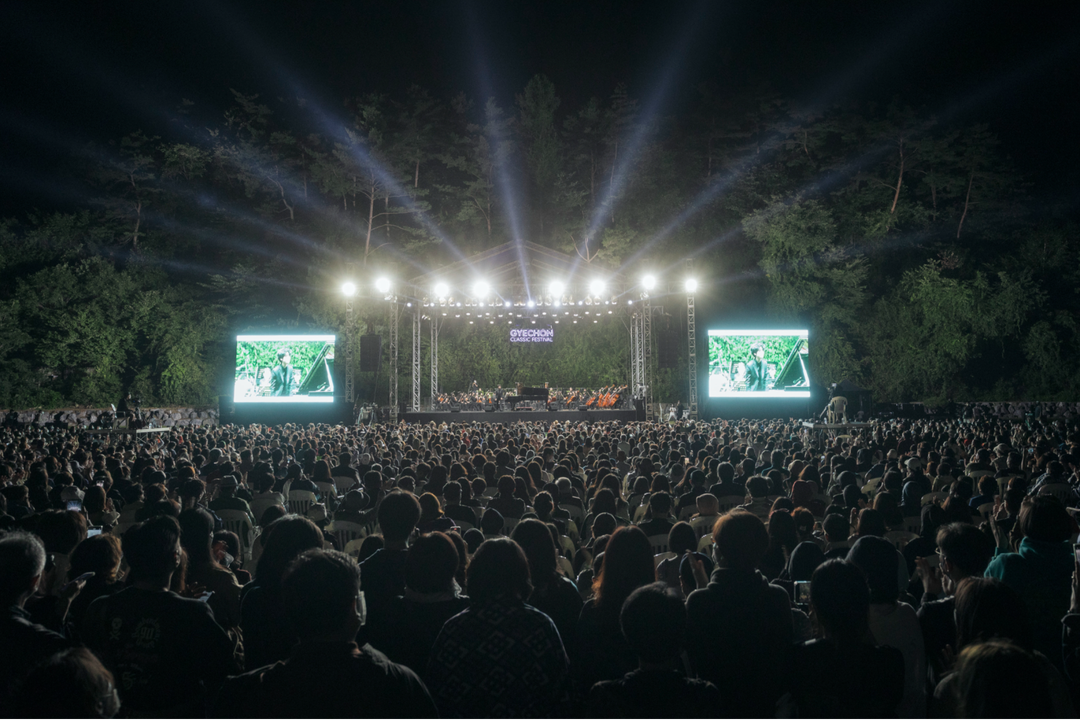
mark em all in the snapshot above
pixel 525 416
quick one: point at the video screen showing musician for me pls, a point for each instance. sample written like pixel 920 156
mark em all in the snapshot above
pixel 284 369
pixel 758 363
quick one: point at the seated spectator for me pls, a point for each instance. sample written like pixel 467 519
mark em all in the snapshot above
pixel 999 679
pixel 72 683
pixel 836 528
pixel 1041 570
pixel 227 498
pixel 505 502
pixel 432 517
pixel 500 657
pixel 963 551
pixel 740 626
pixel 988 609
pixel 659 520
pixel 100 555
pixel 267 637
pixel 653 621
pixel 492 523
pixel 454 509
pixel 383 574
pixel 782 541
pixel 204 572
pixel 602 652
pixel 24 643
pixel 553 594
pixel 893 623
pixel 413 620
pixel 169 651
pixel 320 597
pixel 843 675
pixel 681 540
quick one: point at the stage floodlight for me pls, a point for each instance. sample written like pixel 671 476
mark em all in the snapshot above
pixel 691 285
pixel 348 288
pixel 648 282
pixel 530 304
pixel 556 289
pixel 383 284
pixel 480 289
pixel 442 290
pixel 507 303
pixel 596 287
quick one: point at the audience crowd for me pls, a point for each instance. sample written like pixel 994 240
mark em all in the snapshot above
pixel 750 568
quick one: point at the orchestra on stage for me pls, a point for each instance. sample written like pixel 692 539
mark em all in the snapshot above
pixel 521 397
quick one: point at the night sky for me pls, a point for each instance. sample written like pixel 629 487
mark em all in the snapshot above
pixel 88 71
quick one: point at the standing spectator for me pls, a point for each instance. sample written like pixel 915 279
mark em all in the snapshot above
pixel 553 594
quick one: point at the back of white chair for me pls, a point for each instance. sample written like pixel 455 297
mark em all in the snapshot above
pixel 345 532
pixel 260 505
pixel 661 557
pixel 913 524
pixel 509 524
pixel 705 544
pixel 730 502
pixel 687 511
pixel 659 544
pixel 464 526
pixel 1062 491
pixel 237 521
pixel 300 501
pixel 343 483
pixel 933 497
pixel 900 538
pixel 329 494
pixel 703 525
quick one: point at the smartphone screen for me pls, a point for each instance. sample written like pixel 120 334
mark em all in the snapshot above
pixel 802 592
pixel 93 532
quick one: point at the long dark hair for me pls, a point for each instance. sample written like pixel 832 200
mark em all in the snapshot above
pixel 628 564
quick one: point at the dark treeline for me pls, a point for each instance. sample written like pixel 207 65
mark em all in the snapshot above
pixel 915 252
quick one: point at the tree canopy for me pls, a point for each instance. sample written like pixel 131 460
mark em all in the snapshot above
pixel 910 247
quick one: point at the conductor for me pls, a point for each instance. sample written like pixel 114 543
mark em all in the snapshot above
pixel 282 379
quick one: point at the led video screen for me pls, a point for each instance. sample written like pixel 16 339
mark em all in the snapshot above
pixel 284 369
pixel 759 364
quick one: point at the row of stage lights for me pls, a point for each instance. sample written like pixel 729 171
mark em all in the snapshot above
pixel 481 290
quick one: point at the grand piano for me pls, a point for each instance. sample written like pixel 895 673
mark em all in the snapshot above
pixel 319 379
pixel 527 393
pixel 794 374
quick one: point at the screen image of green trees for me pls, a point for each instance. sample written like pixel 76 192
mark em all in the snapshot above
pixel 253 356
pixel 727 349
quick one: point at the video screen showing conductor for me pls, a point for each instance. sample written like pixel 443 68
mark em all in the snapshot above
pixel 759 363
pixel 284 369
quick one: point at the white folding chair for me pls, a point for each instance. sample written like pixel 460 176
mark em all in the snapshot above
pixel 237 521
pixel 730 502
pixel 345 532
pixel 300 501
pixel 659 544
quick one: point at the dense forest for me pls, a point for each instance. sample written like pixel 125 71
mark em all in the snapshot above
pixel 920 258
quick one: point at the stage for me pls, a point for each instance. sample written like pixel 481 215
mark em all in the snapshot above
pixel 523 415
